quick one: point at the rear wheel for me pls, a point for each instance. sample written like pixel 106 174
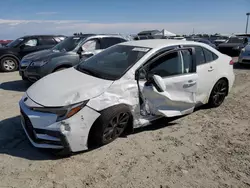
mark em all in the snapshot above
pixel 110 125
pixel 218 93
pixel 8 64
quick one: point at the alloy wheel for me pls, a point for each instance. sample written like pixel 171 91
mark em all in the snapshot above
pixel 9 64
pixel 115 127
pixel 219 92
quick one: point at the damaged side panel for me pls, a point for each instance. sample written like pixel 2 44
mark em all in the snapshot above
pixel 76 129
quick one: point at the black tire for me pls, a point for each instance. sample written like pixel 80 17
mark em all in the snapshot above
pixel 8 64
pixel 218 94
pixel 110 125
pixel 24 78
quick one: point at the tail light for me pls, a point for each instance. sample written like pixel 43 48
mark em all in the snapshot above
pixel 231 62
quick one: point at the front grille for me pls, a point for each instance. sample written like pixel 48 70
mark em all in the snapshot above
pixel 31 131
pixel 28 126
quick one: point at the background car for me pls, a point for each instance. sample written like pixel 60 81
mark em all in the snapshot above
pixel 244 57
pixel 64 55
pixel 220 39
pixel 233 46
pixel 123 87
pixel 205 41
pixel 4 42
pixel 14 51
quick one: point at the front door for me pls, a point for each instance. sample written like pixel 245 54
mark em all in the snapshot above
pixel 90 48
pixel 29 46
pixel 176 71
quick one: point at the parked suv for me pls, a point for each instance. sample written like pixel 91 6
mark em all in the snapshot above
pixel 65 54
pixel 234 45
pixel 13 52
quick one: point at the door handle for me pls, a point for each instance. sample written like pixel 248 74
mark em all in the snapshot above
pixel 189 84
pixel 210 69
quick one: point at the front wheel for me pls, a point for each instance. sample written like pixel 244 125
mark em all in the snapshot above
pixel 218 93
pixel 110 125
pixel 8 64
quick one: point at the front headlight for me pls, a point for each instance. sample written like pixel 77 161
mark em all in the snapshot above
pixel 63 112
pixel 39 63
pixel 243 50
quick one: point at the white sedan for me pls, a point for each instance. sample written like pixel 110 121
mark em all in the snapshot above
pixel 122 88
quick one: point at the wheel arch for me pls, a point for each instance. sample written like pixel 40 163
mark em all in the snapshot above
pixel 10 55
pixel 65 65
pixel 129 129
pixel 222 78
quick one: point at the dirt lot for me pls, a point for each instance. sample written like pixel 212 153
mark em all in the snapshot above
pixel 209 148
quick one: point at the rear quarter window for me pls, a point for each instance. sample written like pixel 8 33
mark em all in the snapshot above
pixel 210 56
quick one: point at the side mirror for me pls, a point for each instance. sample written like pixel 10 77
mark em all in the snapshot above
pixel 22 46
pixel 140 74
pixel 79 51
pixel 157 82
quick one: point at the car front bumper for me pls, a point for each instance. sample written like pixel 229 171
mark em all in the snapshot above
pixel 44 131
pixel 32 73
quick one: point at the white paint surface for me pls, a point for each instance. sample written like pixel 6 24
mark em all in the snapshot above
pixel 70 87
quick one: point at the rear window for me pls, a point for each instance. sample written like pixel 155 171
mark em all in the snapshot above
pixel 200 56
pixel 208 55
pixel 236 40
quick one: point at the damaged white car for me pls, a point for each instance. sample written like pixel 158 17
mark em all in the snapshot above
pixel 123 87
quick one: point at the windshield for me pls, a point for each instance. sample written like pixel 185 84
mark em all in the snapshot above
pixel 15 43
pixel 222 38
pixel 68 44
pixel 235 40
pixel 112 63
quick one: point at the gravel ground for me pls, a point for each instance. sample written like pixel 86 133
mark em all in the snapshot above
pixel 209 148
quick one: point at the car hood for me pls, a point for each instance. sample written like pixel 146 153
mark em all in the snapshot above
pixel 4 48
pixel 247 48
pixel 66 87
pixel 230 45
pixel 45 54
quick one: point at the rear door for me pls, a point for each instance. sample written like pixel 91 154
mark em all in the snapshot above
pixel 106 42
pixel 206 70
pixel 46 42
pixel 177 69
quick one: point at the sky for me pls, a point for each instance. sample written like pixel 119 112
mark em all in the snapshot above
pixel 25 17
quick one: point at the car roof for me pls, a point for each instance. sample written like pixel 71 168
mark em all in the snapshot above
pixel 28 36
pixel 157 43
pixel 99 35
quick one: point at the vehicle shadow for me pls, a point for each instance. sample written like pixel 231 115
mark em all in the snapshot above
pixel 157 124
pixel 17 85
pixel 14 142
pixel 241 66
